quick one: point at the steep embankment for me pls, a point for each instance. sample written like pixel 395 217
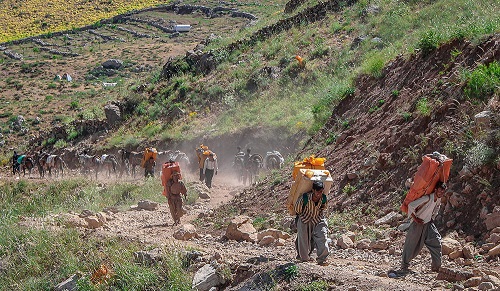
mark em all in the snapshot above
pixel 379 134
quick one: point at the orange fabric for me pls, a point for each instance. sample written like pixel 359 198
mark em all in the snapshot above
pixel 166 172
pixel 310 162
pixel 428 174
pixel 148 153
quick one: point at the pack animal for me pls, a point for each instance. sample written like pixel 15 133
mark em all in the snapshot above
pixel 273 160
pixel 27 163
pixel 252 166
pixel 109 164
pixel 132 160
pixel 89 163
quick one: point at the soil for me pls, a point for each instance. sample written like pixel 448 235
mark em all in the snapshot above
pixel 373 141
pixel 348 269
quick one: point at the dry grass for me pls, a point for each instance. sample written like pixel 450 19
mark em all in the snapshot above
pixel 20 19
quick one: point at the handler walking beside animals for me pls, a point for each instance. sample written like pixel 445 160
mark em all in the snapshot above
pixel 149 168
pixel 209 168
pixel 312 228
pixel 174 189
pixel 422 231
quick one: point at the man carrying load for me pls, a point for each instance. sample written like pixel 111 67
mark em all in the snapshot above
pixel 312 228
pixel 174 188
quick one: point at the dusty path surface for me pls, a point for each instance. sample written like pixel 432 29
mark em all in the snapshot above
pixel 364 270
pixel 348 269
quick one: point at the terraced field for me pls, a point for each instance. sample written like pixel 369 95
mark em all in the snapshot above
pixel 142 41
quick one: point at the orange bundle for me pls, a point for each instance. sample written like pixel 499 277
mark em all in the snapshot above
pixel 434 168
pixel 100 275
pixel 310 162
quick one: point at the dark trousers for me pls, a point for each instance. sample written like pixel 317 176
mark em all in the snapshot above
pixel 417 236
pixel 202 176
pixel 209 174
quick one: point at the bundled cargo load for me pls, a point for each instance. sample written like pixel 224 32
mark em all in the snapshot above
pixel 303 184
pixel 434 168
pixel 203 153
pixel 166 172
pixel 310 162
pixel 148 153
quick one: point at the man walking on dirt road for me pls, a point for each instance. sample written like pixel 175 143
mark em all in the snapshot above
pixel 174 189
pixel 209 168
pixel 312 228
pixel 422 231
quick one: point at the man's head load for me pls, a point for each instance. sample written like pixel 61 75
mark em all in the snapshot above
pixel 318 185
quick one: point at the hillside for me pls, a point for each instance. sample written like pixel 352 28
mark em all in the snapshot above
pixel 370 118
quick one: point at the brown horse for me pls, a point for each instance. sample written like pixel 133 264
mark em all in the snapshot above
pixel 51 163
pixel 131 160
pixel 27 163
pixel 55 164
pixel 89 163
pixel 109 163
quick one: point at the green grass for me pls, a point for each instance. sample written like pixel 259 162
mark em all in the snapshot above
pixel 39 259
pixel 483 81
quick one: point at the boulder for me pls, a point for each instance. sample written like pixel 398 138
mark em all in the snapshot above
pixel 113 114
pixel 147 205
pixel 274 233
pixel 493 219
pixel 267 240
pixel 186 232
pixel 241 229
pixel 494 251
pixel 345 242
pixel 112 64
pixel 450 245
pixel 206 278
pixel 69 284
pixel 390 218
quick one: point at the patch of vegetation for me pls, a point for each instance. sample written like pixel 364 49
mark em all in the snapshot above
pixel 406 116
pixel 313 286
pixel 423 107
pixel 484 81
pixel 480 154
pixel 429 41
pixel 260 223
pixel 349 189
pixel 291 272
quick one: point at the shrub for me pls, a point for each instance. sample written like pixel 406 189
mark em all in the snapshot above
pixel 60 144
pixel 313 286
pixel 479 154
pixel 483 81
pixel 74 105
pixel 423 107
pixel 374 65
pixel 428 42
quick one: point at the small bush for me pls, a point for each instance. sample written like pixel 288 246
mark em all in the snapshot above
pixel 423 107
pixel 428 42
pixel 483 81
pixel 374 66
pixel 348 189
pixel 313 286
pixel 260 223
pixel 74 105
pixel 406 116
pixel 291 272
pixel 60 144
pixel 479 155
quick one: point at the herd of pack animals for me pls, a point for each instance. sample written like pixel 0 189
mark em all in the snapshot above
pixel 129 163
